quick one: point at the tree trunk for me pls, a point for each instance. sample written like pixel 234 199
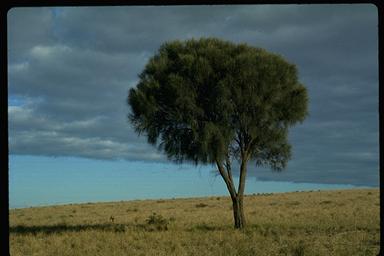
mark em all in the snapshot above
pixel 238 212
pixel 237 201
pixel 237 198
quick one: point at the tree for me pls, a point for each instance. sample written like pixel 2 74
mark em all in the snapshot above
pixel 213 101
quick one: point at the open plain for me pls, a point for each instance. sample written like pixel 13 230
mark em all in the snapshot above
pixel 339 222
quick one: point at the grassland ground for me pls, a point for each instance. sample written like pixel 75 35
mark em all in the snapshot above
pixel 339 222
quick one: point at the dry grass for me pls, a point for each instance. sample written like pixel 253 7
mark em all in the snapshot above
pixel 344 222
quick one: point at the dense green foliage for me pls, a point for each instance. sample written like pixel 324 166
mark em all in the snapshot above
pixel 210 100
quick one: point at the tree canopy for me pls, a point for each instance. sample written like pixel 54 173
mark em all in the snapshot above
pixel 209 100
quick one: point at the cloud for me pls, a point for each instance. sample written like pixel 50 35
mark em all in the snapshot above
pixel 34 134
pixel 70 70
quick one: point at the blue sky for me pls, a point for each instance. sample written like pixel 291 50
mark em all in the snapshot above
pixel 37 181
pixel 70 70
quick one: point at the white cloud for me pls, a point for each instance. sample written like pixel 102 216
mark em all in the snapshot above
pixel 49 51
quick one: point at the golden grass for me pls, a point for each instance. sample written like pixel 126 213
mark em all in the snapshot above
pixel 341 222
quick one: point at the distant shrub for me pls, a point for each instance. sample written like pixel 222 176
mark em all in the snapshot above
pixel 326 202
pixel 201 205
pixel 157 222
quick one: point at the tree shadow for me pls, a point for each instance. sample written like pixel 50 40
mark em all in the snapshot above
pixel 60 228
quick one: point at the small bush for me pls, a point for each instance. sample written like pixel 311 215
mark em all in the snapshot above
pixel 157 222
pixel 201 205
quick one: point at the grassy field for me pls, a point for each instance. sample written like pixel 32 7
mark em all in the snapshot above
pixel 341 222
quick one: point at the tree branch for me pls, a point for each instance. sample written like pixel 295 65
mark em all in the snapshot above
pixel 227 180
pixel 239 140
pixel 243 174
pixel 229 169
pixel 250 145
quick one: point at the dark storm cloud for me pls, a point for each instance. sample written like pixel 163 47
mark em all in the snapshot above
pixel 70 70
pixel 138 29
pixel 30 28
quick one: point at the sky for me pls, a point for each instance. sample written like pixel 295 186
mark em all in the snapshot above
pixel 41 181
pixel 70 69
